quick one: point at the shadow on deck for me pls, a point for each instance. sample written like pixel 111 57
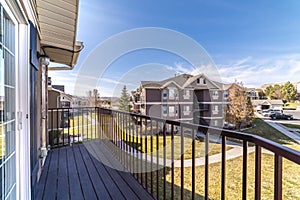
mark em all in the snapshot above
pixel 73 173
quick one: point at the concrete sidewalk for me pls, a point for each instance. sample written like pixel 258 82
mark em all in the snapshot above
pixel 281 128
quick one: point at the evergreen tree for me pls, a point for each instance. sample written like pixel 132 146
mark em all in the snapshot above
pixel 289 92
pixel 124 100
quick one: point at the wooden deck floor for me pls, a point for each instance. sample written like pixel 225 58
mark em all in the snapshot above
pixel 73 173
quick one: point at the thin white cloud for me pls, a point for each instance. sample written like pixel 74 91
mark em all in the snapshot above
pixel 255 72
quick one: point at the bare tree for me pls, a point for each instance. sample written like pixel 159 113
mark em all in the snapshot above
pixel 94 97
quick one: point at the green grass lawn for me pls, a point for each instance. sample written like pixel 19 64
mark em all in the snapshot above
pixel 296 126
pixel 266 131
pixel 291 173
pixel 199 146
pixel 291 105
pixel 291 179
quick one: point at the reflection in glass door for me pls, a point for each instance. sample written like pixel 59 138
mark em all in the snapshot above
pixel 7 107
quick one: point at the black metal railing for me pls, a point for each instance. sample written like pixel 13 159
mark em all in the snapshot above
pixel 71 125
pixel 163 154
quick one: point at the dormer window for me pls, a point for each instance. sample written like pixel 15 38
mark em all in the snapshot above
pixel 201 81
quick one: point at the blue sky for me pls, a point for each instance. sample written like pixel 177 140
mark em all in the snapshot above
pixel 255 42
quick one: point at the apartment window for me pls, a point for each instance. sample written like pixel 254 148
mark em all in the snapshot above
pixel 7 107
pixel 164 110
pixel 215 95
pixel 201 81
pixel 165 94
pixel 216 123
pixel 186 110
pixel 172 94
pixel 187 94
pixel 225 94
pixel 171 111
pixel 215 110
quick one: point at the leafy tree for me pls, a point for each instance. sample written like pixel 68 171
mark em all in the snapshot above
pixel 239 110
pixel 124 100
pixel 274 92
pixel 289 92
pixel 277 92
pixel 269 91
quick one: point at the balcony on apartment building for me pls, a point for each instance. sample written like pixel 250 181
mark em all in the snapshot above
pixel 109 154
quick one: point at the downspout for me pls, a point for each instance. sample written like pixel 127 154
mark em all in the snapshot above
pixel 45 61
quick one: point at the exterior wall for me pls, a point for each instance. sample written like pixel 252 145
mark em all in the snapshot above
pixel 53 98
pixel 185 96
pixel 153 110
pixel 153 95
pixel 216 95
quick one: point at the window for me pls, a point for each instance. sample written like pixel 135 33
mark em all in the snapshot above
pixel 171 111
pixel 216 123
pixel 215 95
pixel 165 94
pixel 215 110
pixel 164 110
pixel 186 110
pixel 172 93
pixel 226 95
pixel 201 81
pixel 7 107
pixel 187 94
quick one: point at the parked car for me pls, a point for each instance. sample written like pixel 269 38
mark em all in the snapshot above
pixel 267 113
pixel 200 136
pixel 229 126
pixel 281 116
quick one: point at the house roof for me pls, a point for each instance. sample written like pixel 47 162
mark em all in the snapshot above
pixel 181 81
pixel 58 28
pixel 266 102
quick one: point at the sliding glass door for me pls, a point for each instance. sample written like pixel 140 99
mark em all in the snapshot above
pixel 7 107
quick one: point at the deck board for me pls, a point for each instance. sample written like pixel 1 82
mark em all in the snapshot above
pixel 43 178
pixel 86 184
pixel 77 173
pixel 99 186
pixel 74 182
pixel 62 182
pixel 51 183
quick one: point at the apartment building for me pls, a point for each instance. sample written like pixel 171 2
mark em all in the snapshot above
pixel 184 97
pixel 33 34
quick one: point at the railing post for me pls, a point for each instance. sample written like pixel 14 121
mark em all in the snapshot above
pixel 172 161
pixel 193 165
pixel 182 162
pixel 257 172
pixel 164 146
pixel 206 165
pixel 223 189
pixel 278 177
pixel 245 166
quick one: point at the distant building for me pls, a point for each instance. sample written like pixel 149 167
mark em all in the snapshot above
pixel 267 104
pixel 187 98
pixel 255 93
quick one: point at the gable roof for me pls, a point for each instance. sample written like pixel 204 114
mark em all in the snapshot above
pixel 181 81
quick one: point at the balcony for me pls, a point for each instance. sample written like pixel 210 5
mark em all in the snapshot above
pixel 131 156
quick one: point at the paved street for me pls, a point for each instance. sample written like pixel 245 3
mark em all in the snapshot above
pixel 295 113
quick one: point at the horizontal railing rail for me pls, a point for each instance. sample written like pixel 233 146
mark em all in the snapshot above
pixel 157 151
